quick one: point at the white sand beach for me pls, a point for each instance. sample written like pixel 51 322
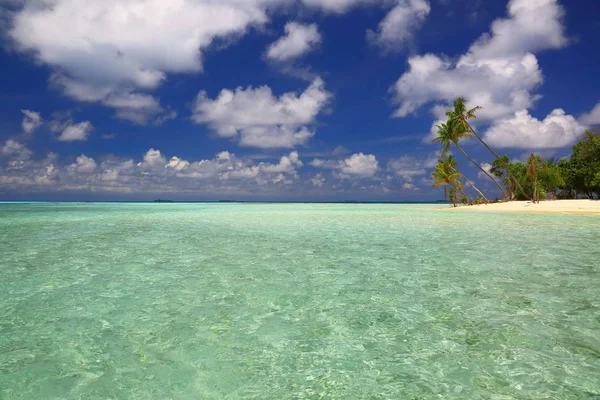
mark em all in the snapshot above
pixel 591 207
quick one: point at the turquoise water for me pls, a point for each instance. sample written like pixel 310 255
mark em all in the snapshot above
pixel 285 301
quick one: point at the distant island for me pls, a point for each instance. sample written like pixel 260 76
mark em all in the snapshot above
pixel 162 201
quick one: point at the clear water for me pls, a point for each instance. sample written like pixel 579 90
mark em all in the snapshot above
pixel 263 301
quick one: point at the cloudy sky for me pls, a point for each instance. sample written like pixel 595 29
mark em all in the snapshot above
pixel 281 99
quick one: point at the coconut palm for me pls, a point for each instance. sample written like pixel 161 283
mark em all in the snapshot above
pixel 532 173
pixel 451 132
pixel 445 173
pixel 501 169
pixel 475 188
pixel 462 115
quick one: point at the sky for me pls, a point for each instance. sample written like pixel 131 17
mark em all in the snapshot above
pixel 308 100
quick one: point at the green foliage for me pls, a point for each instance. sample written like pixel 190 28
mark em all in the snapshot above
pixel 577 176
pixel 453 196
pixel 445 173
pixel 450 132
pixel 550 178
pixel 582 168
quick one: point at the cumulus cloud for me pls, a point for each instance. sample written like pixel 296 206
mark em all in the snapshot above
pixel 592 117
pixel 358 165
pixel 523 131
pixel 31 121
pixel 499 72
pixel 257 118
pixel 115 51
pixel 318 180
pixel 533 25
pixel 15 150
pixel 153 158
pixel 107 50
pixel 76 132
pixel 400 24
pixel 298 40
pixel 83 165
pixel 177 164
pixel 224 173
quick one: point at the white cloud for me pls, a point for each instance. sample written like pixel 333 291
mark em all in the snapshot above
pixel 591 118
pixel 31 121
pixel 400 24
pixel 407 167
pixel 499 72
pixel 76 132
pixel 523 131
pixel 83 164
pixel 298 40
pixel 177 164
pixel 255 117
pixel 153 158
pixel 114 52
pixel 410 187
pixel 318 180
pixel 487 167
pixel 533 25
pixel 225 173
pixel 15 150
pixel 338 6
pixel 358 165
pixel 117 47
pixel 134 107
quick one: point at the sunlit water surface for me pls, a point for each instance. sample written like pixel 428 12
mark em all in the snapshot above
pixel 291 301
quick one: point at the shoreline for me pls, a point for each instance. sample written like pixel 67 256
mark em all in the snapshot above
pixel 582 207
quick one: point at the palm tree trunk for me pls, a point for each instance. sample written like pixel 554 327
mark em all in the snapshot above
pixel 482 170
pixel 477 190
pixel 519 185
pixel 469 201
pixel 481 140
pixel 461 190
pixel 510 175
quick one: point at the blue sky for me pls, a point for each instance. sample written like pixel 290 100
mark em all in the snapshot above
pixel 281 99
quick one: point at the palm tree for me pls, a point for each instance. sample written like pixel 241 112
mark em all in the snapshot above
pixel 501 169
pixel 475 187
pixel 532 173
pixel 462 115
pixel 446 174
pixel 451 132
pixel 451 194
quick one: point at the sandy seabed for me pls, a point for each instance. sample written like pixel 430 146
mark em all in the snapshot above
pixel 591 207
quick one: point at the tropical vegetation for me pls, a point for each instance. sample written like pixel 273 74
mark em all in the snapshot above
pixel 576 176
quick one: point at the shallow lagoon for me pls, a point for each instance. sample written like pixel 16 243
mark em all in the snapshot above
pixel 291 301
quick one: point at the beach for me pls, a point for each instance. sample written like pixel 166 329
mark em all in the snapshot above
pixel 583 207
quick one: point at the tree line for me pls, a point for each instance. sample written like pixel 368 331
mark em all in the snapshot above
pixel 569 178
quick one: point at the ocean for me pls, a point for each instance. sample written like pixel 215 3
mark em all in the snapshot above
pixel 296 301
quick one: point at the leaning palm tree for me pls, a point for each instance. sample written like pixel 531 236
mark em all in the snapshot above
pixel 501 169
pixel 451 132
pixel 462 115
pixel 445 173
pixel 475 188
